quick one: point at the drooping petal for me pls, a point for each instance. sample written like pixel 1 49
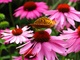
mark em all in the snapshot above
pixel 59 49
pixel 71 22
pixel 25 48
pixel 37 48
pixel 40 55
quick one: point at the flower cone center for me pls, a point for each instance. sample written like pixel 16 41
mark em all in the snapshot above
pixel 41 36
pixel 17 31
pixel 63 8
pixel 30 6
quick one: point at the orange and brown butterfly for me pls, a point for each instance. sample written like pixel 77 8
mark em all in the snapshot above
pixel 43 22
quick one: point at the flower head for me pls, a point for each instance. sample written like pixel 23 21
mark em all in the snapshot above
pixel 31 10
pixel 64 15
pixel 17 35
pixel 5 1
pixel 73 39
pixel 42 45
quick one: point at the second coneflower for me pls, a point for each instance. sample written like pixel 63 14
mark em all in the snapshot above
pixel 31 10
pixel 73 39
pixel 65 16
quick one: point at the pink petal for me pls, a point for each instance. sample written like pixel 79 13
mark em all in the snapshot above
pixel 47 53
pixel 29 15
pixel 48 30
pixel 37 48
pixel 20 8
pixel 13 40
pixel 25 48
pixel 58 41
pixel 62 19
pixel 56 15
pixel 59 49
pixel 74 17
pixel 25 28
pixel 40 55
pixel 77 49
pixel 18 13
pixel 38 14
pixel 48 46
pixel 32 15
pixel 71 22
pixel 23 14
pixel 50 12
pixel 71 49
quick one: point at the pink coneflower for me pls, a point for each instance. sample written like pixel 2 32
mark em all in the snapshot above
pixel 44 45
pixel 73 39
pixel 17 35
pixel 31 10
pixel 5 1
pixel 64 16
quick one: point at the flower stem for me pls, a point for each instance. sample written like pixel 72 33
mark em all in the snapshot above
pixel 47 1
pixel 0 53
pixel 74 4
pixel 69 3
pixel 63 58
pixel 22 57
pixel 10 12
pixel 1 6
pixel 54 5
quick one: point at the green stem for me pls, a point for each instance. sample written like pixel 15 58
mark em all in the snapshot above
pixel 22 57
pixel 47 1
pixel 10 56
pixel 8 50
pixel 63 58
pixel 70 3
pixel 1 6
pixel 0 53
pixel 77 56
pixel 10 12
pixel 54 5
pixel 74 4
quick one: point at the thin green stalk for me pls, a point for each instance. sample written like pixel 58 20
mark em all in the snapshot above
pixel 63 57
pixel 74 4
pixel 10 13
pixel 77 56
pixel 8 50
pixel 47 1
pixel 10 56
pixel 70 3
pixel 54 5
pixel 22 57
pixel 0 53
pixel 1 6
